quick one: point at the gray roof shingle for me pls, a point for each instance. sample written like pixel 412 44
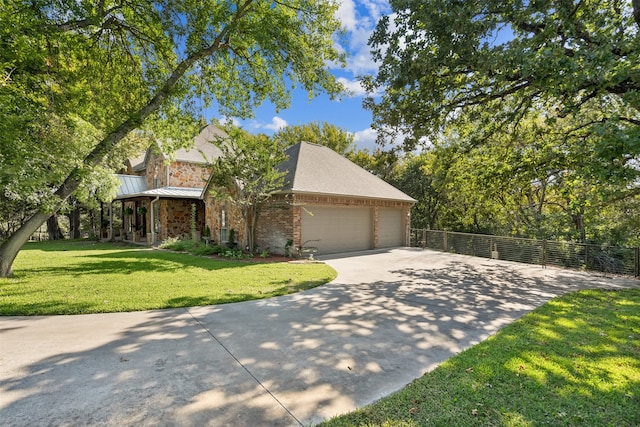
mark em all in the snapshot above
pixel 316 169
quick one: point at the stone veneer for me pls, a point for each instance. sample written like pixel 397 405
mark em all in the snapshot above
pixel 175 217
pixel 180 174
pixel 234 219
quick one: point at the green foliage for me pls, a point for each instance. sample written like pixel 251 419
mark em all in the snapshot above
pixel 231 240
pixel 334 137
pixel 546 180
pixel 77 78
pixel 232 253
pixel 571 362
pixel 493 60
pixel 246 174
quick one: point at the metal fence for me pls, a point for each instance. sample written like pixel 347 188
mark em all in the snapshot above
pixel 606 259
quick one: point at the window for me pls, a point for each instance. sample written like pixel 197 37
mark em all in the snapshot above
pixel 224 228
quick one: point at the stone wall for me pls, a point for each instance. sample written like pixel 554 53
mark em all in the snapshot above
pixel 188 175
pixel 233 217
pixel 175 218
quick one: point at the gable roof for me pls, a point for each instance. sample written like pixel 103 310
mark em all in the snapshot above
pixel 316 169
pixel 204 150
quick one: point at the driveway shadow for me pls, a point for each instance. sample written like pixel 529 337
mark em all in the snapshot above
pixel 298 359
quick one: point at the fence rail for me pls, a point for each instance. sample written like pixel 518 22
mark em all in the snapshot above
pixel 606 259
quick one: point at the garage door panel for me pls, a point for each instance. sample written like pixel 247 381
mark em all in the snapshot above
pixel 338 229
pixel 391 228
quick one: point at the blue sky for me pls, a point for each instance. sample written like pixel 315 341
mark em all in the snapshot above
pixel 359 18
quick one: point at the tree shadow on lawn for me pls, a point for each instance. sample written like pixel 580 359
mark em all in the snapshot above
pixel 319 353
pixel 75 245
pixel 554 367
pixel 132 261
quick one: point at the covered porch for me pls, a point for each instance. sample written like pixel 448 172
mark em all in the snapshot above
pixel 151 216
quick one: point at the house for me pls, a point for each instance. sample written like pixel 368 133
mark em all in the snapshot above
pixel 334 205
pixel 327 201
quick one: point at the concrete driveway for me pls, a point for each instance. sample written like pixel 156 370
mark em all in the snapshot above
pixel 388 318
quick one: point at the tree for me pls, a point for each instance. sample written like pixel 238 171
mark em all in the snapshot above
pixel 145 65
pixel 493 60
pixel 547 180
pixel 334 137
pixel 247 175
pixel 423 177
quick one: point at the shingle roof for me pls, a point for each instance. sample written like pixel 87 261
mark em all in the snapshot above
pixel 203 151
pixel 316 169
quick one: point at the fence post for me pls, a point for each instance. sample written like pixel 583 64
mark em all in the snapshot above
pixel 424 238
pixel 544 253
pixel 637 259
pixel 444 243
pixel 586 257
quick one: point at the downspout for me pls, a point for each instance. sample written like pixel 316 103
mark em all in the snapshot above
pixel 153 220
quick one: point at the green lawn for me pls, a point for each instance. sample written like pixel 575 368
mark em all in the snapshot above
pixel 573 362
pixel 89 277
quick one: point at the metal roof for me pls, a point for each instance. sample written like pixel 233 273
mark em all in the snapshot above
pixel 130 184
pixel 175 192
pixel 136 186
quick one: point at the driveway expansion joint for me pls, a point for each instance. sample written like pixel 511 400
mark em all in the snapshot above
pixel 244 367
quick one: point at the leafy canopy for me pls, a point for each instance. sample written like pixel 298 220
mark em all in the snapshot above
pixel 323 133
pixel 150 66
pixel 492 60
pixel 247 174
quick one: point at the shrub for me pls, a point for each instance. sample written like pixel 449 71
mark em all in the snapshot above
pixel 206 250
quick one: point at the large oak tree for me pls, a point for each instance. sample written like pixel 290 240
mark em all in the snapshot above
pixel 151 66
pixel 493 60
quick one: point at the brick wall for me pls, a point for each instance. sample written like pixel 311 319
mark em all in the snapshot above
pixel 281 219
pixel 275 225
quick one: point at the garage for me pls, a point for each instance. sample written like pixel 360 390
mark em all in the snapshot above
pixel 338 229
pixel 391 227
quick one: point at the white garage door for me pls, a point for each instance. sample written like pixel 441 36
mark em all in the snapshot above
pixel 391 228
pixel 338 229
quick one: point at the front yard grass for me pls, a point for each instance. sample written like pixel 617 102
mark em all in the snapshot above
pixel 88 277
pixel 572 362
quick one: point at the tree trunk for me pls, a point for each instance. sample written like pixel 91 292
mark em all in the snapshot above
pixel 53 228
pixel 10 248
pixel 75 221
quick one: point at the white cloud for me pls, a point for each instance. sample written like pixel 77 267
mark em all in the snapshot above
pixel 365 139
pixel 353 86
pixel 359 19
pixel 346 13
pixel 276 124
pixel 232 120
